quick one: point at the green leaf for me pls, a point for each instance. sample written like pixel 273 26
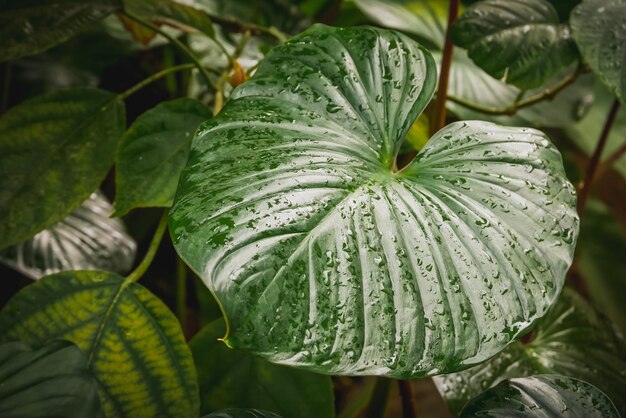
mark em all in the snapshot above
pixel 134 344
pixel 572 340
pixel 88 239
pixel 231 378
pixel 324 257
pixel 153 152
pixel 548 395
pixel 53 381
pixel 522 43
pixel 172 10
pixel 599 30
pixel 31 26
pixel 55 150
pixel 601 261
pixel 241 413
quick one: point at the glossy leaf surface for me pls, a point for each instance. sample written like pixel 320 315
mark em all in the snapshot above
pixel 522 43
pixel 542 396
pixel 241 413
pixel 325 258
pixel 31 26
pixel 599 30
pixel 53 381
pixel 134 344
pixel 572 340
pixel 232 378
pixel 153 152
pixel 55 150
pixel 88 239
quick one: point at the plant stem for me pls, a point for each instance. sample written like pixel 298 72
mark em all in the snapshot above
pixel 378 403
pixel 510 110
pixel 595 158
pixel 439 111
pixel 154 77
pixel 152 250
pixel 219 90
pixel 181 293
pixel 235 26
pixel 406 394
pixel 174 42
pixel 606 165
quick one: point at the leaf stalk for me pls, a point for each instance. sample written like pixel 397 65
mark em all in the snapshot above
pixel 152 250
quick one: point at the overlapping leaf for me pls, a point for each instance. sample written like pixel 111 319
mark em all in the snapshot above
pixel 324 257
pixel 31 26
pixel 520 42
pixel 542 396
pixel 599 30
pixel 170 10
pixel 55 150
pixel 236 379
pixel 134 344
pixel 88 239
pixel 53 381
pixel 153 152
pixel 572 340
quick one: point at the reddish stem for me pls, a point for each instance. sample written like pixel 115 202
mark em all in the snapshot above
pixel 595 158
pixel 439 112
pixel 406 394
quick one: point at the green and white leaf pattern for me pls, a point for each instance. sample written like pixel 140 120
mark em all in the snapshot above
pixel 542 396
pixel 325 257
pixel 571 340
pixel 88 239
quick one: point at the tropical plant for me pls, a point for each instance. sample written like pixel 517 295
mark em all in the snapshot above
pixel 350 203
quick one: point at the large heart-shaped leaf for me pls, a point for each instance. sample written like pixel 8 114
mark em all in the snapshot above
pixel 134 344
pixel 31 26
pixel 53 381
pixel 55 150
pixel 232 378
pixel 520 42
pixel 325 257
pixel 599 30
pixel 153 152
pixel 572 340
pixel 88 239
pixel 542 396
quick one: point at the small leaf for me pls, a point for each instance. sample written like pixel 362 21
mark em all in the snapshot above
pixel 522 43
pixel 31 26
pixel 134 344
pixel 572 340
pixel 325 258
pixel 140 33
pixel 236 379
pixel 53 381
pixel 241 413
pixel 55 150
pixel 599 30
pixel 545 396
pixel 88 239
pixel 171 10
pixel 153 152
